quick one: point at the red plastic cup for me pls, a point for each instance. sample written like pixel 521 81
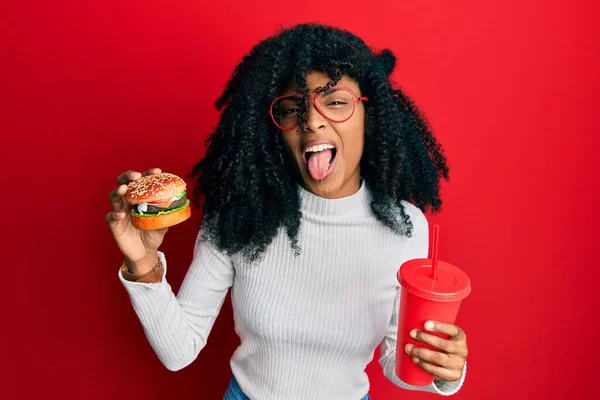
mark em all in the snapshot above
pixel 423 299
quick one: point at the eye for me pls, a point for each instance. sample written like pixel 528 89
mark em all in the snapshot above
pixel 289 112
pixel 289 107
pixel 336 103
pixel 334 100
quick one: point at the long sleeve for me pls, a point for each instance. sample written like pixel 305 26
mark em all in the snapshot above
pixel 418 246
pixel 177 326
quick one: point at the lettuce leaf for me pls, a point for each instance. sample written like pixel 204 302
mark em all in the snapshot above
pixel 187 203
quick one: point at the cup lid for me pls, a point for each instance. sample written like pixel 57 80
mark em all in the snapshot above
pixel 452 284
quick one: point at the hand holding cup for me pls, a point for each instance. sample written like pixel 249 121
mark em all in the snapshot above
pixel 448 363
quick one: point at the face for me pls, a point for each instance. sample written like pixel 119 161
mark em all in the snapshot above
pixel 326 155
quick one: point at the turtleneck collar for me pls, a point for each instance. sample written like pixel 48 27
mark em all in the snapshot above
pixel 355 205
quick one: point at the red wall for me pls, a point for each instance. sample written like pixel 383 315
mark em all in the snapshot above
pixel 510 87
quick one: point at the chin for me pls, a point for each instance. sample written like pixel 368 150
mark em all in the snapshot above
pixel 330 187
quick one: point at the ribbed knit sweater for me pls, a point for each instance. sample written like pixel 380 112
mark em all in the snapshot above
pixel 309 324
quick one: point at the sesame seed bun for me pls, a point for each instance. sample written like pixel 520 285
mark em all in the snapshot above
pixel 161 221
pixel 151 188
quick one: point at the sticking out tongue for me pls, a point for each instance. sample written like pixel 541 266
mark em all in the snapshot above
pixel 319 164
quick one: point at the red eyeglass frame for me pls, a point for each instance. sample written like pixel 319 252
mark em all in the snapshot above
pixel 355 98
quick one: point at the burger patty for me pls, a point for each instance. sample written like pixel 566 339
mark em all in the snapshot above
pixel 153 209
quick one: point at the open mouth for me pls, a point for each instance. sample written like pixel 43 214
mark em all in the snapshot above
pixel 308 154
pixel 319 160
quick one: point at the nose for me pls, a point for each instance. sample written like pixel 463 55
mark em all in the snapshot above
pixel 315 121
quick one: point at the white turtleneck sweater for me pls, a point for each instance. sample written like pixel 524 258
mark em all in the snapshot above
pixel 309 324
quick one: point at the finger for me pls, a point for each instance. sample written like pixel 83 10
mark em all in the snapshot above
pixel 127 177
pixel 113 218
pixel 116 198
pixel 441 372
pixel 451 330
pixel 435 357
pixel 436 341
pixel 152 171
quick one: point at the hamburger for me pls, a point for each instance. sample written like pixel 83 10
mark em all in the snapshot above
pixel 158 201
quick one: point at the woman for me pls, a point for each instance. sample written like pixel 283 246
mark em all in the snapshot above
pixel 313 188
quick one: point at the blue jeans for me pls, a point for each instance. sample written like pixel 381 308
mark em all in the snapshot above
pixel 234 392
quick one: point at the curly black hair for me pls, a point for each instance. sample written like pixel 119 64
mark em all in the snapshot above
pixel 246 186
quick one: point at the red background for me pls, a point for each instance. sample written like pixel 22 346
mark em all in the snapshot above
pixel 510 87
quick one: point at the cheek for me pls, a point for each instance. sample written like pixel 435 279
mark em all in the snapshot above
pixel 354 140
pixel 290 143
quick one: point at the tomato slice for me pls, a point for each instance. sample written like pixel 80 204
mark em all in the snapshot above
pixel 158 203
pixel 163 204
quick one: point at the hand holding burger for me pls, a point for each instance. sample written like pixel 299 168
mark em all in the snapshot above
pixel 152 212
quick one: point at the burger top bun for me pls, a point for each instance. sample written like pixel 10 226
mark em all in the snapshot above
pixel 153 188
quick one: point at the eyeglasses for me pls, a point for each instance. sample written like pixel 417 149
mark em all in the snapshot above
pixel 337 104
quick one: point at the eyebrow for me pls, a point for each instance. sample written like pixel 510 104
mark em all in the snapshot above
pixel 330 91
pixel 327 92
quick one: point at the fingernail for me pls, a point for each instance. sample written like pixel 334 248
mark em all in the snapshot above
pixel 416 360
pixel 429 325
pixel 408 348
pixel 413 334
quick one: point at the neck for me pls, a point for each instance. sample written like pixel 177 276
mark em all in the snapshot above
pixel 355 205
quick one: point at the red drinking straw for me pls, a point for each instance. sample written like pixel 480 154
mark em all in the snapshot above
pixel 434 255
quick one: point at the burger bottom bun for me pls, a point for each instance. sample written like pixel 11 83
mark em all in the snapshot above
pixel 161 221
